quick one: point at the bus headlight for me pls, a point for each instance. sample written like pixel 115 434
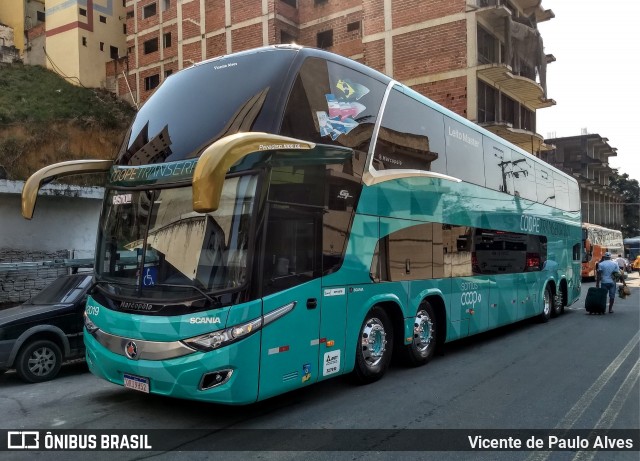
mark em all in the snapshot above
pixel 89 325
pixel 217 339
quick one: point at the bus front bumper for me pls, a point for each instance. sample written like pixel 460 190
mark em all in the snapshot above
pixel 182 377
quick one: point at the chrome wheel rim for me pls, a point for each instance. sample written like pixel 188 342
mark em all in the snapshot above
pixel 373 342
pixel 547 302
pixel 42 361
pixel 422 332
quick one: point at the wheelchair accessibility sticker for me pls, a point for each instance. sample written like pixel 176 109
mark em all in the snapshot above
pixel 150 276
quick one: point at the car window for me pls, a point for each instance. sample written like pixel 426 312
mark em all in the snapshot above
pixel 63 290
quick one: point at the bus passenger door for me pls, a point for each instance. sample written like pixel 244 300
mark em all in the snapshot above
pixel 291 273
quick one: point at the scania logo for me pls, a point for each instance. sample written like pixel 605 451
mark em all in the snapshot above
pixel 131 350
pixel 136 306
pixel 195 320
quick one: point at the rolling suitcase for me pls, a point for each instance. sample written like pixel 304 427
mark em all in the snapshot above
pixel 596 300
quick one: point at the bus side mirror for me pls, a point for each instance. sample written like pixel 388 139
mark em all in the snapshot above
pixel 51 172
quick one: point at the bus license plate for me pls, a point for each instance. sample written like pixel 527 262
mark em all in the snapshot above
pixel 137 383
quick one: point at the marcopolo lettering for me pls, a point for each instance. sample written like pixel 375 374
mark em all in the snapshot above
pixel 136 306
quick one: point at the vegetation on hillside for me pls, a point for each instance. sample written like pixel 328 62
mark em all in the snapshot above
pixel 44 119
pixel 35 94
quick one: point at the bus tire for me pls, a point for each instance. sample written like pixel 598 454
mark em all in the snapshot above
pixel 423 345
pixel 547 304
pixel 375 346
pixel 558 302
pixel 38 361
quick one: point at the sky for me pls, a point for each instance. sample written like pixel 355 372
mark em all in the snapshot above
pixel 595 78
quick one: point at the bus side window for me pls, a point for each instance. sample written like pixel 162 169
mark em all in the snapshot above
pixel 410 136
pixel 545 190
pixel 497 164
pixel 310 115
pixel 465 159
pixel 456 250
pixel 561 189
pixel 524 176
pixel 410 254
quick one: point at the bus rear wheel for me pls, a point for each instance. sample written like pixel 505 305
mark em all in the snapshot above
pixel 423 345
pixel 558 302
pixel 375 346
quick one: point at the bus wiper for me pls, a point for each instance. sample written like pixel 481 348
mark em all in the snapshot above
pixel 200 290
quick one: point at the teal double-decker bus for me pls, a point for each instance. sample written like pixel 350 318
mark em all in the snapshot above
pixel 281 216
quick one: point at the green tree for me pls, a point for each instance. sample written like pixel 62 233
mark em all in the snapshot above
pixel 629 191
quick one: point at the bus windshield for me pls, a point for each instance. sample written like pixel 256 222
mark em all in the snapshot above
pixel 152 244
pixel 204 103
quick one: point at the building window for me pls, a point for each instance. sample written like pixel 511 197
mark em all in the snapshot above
pixel 82 12
pixel 84 41
pixel 527 119
pixel 487 47
pixel 124 2
pixel 113 52
pixel 286 37
pixel 487 102
pixel 151 82
pixel 508 107
pixel 353 26
pixel 151 46
pixel 292 3
pixel 166 40
pixel 103 19
pixel 167 73
pixel 124 29
pixel 166 4
pixel 319 2
pixel 149 10
pixel 101 46
pixel 129 14
pixel 325 39
pixel 40 16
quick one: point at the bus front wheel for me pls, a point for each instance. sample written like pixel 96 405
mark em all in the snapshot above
pixel 547 304
pixel 375 346
pixel 423 345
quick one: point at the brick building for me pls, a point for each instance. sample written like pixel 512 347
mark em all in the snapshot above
pixel 483 59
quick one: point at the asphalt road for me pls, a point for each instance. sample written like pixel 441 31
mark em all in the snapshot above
pixel 578 371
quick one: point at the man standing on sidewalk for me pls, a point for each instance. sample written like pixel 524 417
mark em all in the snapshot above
pixel 608 271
